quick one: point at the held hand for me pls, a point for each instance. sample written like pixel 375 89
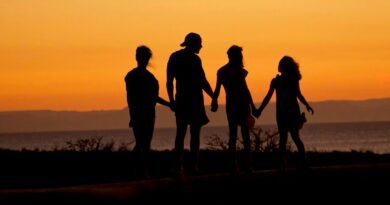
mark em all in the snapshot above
pixel 256 113
pixel 214 105
pixel 172 106
pixel 259 113
pixel 309 109
pixel 254 110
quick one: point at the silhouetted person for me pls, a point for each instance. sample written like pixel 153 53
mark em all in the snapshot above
pixel 238 103
pixel 142 96
pixel 288 115
pixel 185 67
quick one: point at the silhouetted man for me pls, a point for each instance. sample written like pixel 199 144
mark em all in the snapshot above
pixel 185 67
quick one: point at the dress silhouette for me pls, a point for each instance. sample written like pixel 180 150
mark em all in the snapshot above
pixel 185 67
pixel 288 115
pixel 142 95
pixel 238 103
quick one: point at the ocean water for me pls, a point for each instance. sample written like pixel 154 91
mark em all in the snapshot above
pixel 364 136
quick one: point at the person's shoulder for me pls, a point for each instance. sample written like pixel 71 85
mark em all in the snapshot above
pixel 130 74
pixel 177 53
pixel 150 75
pixel 176 56
pixel 222 70
pixel 275 80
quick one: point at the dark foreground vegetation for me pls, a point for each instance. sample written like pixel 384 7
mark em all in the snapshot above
pixel 38 169
pixel 106 177
pixel 88 171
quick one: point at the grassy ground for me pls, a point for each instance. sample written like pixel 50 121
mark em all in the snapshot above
pixel 29 169
pixel 65 177
pixel 341 184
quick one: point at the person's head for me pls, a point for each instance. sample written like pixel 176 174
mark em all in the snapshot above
pixel 290 68
pixel 235 56
pixel 143 55
pixel 193 42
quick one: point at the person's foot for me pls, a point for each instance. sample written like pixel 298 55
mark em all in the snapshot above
pixel 304 169
pixel 178 172
pixel 194 171
pixel 282 169
pixel 248 170
pixel 143 175
pixel 234 171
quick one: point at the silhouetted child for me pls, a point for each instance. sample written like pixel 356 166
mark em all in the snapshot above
pixel 142 96
pixel 288 115
pixel 238 103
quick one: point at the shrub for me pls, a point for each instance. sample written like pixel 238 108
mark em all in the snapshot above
pixel 88 145
pixel 262 140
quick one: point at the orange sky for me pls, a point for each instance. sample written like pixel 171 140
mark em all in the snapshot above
pixel 73 55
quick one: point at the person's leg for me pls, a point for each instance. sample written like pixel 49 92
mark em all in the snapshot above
pixel 247 148
pixel 138 149
pixel 181 129
pixel 194 147
pixel 301 148
pixel 138 138
pixel 232 148
pixel 282 146
pixel 148 130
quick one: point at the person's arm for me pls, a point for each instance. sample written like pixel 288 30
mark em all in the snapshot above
pixel 128 98
pixel 253 106
pixel 214 102
pixel 205 84
pixel 128 102
pixel 170 77
pixel 266 99
pixel 303 100
pixel 207 88
pixel 163 102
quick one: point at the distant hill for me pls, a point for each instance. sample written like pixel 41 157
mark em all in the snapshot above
pixel 325 111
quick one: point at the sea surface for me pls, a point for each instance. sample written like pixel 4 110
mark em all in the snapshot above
pixel 364 136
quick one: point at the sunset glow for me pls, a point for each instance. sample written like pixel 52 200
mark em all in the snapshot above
pixel 73 55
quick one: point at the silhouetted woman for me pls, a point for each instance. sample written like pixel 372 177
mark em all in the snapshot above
pixel 142 96
pixel 238 103
pixel 288 115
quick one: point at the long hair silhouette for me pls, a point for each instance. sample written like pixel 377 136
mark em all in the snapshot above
pixel 288 66
pixel 288 115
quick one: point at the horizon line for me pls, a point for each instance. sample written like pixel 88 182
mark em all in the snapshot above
pixel 125 107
